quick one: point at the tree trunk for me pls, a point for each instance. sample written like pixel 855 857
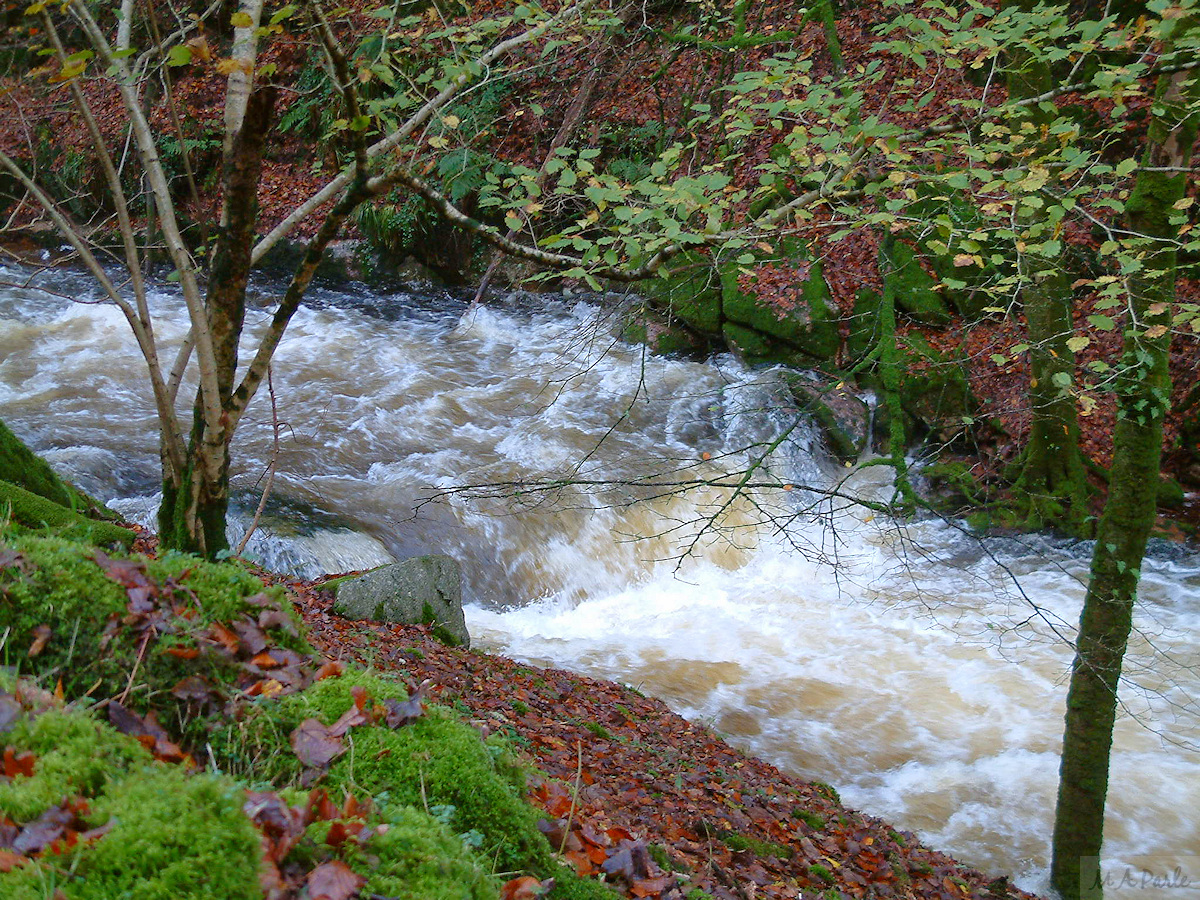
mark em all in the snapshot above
pixel 1143 391
pixel 1051 485
pixel 196 501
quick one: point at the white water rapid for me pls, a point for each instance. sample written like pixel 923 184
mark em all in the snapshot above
pixel 918 671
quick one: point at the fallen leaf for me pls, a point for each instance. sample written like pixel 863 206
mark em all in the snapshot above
pixel 524 888
pixel 41 635
pixel 314 745
pixel 333 881
pixel 18 763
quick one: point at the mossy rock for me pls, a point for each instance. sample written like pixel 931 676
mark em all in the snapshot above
pixel 58 583
pixel 32 511
pixel 21 466
pixel 863 325
pixel 663 333
pixel 806 334
pixel 916 292
pixel 174 836
pixel 843 416
pixel 691 291
pixel 435 761
pixel 934 389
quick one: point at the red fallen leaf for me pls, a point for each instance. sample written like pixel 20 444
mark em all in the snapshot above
pixel 13 559
pixel 195 688
pixel 524 888
pixel 44 830
pixel 126 572
pixel 18 763
pixel 580 862
pixel 254 640
pixel 262 601
pixel 265 660
pixel 333 881
pixel 405 712
pixel 148 732
pixel 631 860
pixel 41 635
pixel 337 834
pixel 183 652
pixel 351 717
pixel 320 808
pixel 224 637
pixel 276 618
pixel 314 745
pixel 10 860
pixel 651 887
pixel 331 669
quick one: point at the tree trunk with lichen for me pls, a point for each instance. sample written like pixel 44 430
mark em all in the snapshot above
pixel 191 517
pixel 1050 488
pixel 1143 392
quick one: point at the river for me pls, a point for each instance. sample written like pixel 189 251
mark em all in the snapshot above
pixel 918 670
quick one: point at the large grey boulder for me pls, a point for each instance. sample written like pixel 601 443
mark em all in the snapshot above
pixel 423 590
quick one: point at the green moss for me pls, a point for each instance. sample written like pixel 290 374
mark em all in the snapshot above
pixel 418 858
pixel 22 467
pixel 810 330
pixel 62 586
pixel 174 835
pixel 828 790
pixel 437 760
pixel 811 819
pixel 33 511
pixel 915 290
pixel 75 755
pixel 819 871
pixel 691 291
pixel 440 632
pixel 569 886
pixel 761 848
pixel 599 731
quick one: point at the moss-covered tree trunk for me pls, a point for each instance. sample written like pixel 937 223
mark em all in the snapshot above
pixel 195 501
pixel 1143 391
pixel 1051 486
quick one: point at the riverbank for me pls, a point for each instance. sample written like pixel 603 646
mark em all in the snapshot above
pixel 630 797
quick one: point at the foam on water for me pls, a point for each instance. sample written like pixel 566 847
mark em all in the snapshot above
pixel 900 663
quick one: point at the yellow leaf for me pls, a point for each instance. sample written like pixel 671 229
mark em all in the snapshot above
pixel 964 259
pixel 1086 405
pixel 1156 331
pixel 227 66
pixel 451 121
pixel 1157 309
pixel 365 74
pixel 241 20
pixel 200 49
pixel 1184 203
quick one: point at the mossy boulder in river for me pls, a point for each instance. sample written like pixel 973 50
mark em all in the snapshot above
pixel 422 590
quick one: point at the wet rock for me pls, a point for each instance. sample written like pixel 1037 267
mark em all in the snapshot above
pixel 843 416
pixel 422 590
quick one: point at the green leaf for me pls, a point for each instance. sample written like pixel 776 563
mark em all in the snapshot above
pixel 1104 323
pixel 179 55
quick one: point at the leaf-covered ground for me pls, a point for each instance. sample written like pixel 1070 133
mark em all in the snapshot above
pixel 662 805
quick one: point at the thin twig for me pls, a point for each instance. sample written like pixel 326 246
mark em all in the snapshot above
pixel 270 468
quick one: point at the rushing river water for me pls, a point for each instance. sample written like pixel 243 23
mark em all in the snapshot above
pixel 919 671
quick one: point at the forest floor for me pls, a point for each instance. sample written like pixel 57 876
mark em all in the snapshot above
pixel 618 766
